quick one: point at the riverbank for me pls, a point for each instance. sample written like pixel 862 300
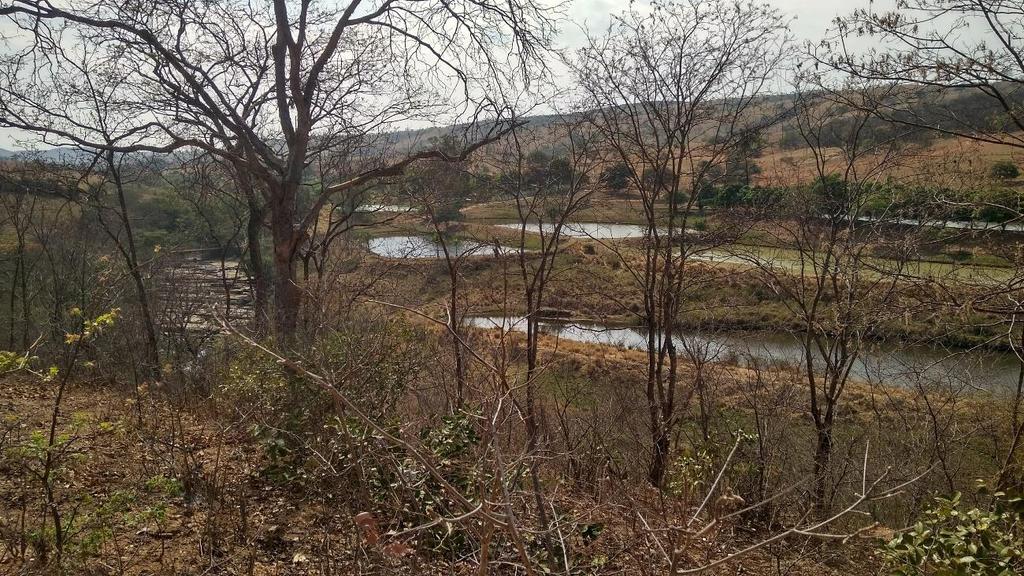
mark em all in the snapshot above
pixel 726 298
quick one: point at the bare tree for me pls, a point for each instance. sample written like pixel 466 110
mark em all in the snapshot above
pixel 960 65
pixel 825 269
pixel 112 176
pixel 548 190
pixel 67 250
pixel 271 88
pixel 960 71
pixel 671 93
pixel 19 200
pixel 101 186
pixel 439 190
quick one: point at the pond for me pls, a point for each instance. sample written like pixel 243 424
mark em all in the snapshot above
pixel 895 364
pixel 595 230
pixel 383 208
pixel 425 247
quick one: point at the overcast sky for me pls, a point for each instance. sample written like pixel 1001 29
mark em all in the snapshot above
pixel 811 18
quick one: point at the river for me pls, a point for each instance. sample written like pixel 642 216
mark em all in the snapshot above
pixel 593 230
pixel 954 224
pixel 887 363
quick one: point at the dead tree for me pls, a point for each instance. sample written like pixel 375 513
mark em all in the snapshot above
pixel 670 94
pixel 960 69
pixel 19 201
pixel 547 190
pixel 100 185
pixel 122 235
pixel 438 190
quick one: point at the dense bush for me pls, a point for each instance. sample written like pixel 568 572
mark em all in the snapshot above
pixel 1004 170
pixel 370 362
pixel 616 178
pixel 997 205
pixel 952 540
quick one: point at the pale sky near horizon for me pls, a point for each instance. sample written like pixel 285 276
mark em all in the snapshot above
pixel 810 20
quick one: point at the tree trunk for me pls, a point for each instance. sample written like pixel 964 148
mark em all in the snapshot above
pixel 822 456
pixel 258 272
pixel 151 364
pixel 659 461
pixel 532 426
pixel 1007 471
pixel 656 471
pixel 287 296
pixel 26 312
pixel 460 368
pixel 532 429
pixel 11 299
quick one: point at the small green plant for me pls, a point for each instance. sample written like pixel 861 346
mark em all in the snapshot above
pixel 689 473
pixel 14 361
pixel 49 452
pixel 164 485
pixel 452 440
pixel 420 498
pixel 590 532
pixel 283 452
pixel 89 522
pixel 93 327
pixel 952 541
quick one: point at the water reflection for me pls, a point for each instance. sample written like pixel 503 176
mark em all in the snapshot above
pixel 595 230
pixel 425 247
pixel 955 224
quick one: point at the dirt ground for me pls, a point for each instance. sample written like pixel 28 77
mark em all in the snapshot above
pixel 119 488
pixel 147 488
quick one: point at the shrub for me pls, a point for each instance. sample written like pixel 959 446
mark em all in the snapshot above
pixel 690 473
pixel 949 540
pixel 296 423
pixel 1004 170
pixel 998 205
pixel 616 178
pixel 403 489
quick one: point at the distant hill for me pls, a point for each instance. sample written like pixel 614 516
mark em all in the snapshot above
pixel 957 110
pixel 48 155
pixel 961 110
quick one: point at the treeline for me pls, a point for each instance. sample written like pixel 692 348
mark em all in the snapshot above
pixel 994 204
